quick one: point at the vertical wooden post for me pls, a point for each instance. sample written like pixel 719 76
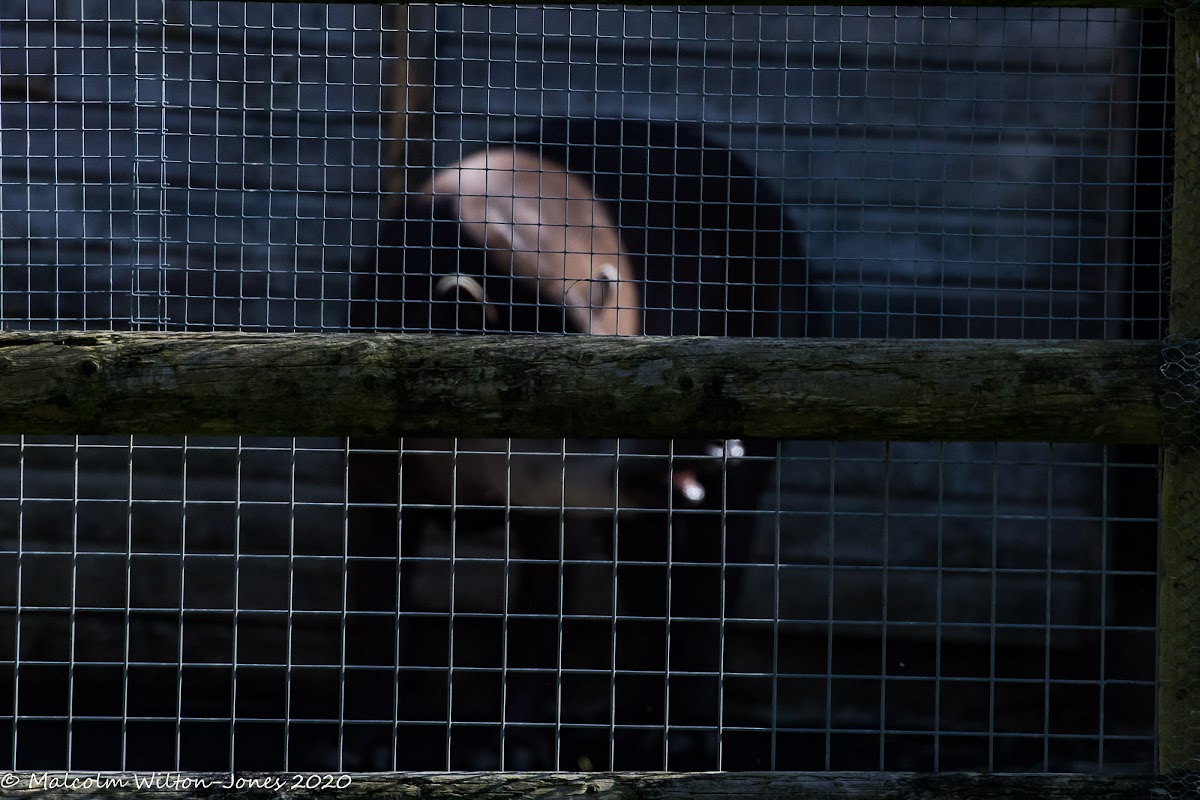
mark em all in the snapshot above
pixel 409 125
pixel 1179 536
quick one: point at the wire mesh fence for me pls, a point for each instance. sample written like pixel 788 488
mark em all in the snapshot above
pixel 306 604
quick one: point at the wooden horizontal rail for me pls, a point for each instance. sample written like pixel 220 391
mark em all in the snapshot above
pixel 379 384
pixel 597 786
pixel 835 3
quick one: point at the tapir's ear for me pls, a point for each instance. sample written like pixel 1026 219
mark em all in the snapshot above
pixel 459 303
pixel 459 287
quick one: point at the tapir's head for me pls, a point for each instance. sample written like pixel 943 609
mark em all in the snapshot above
pixel 507 242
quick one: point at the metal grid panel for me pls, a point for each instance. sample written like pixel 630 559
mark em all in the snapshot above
pixel 280 604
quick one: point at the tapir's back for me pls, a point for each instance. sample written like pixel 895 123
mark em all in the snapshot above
pixel 720 256
pixel 709 240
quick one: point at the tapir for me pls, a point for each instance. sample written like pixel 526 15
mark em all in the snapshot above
pixel 600 227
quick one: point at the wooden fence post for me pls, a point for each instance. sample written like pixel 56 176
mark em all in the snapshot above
pixel 1179 535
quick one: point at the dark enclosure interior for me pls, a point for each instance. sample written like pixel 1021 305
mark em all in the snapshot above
pixel 318 604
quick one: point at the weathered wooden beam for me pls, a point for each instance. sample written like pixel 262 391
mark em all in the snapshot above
pixel 1179 501
pixel 344 385
pixel 594 786
pixel 908 3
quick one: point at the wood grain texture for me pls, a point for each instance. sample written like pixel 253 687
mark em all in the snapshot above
pixel 1178 720
pixel 960 3
pixel 343 385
